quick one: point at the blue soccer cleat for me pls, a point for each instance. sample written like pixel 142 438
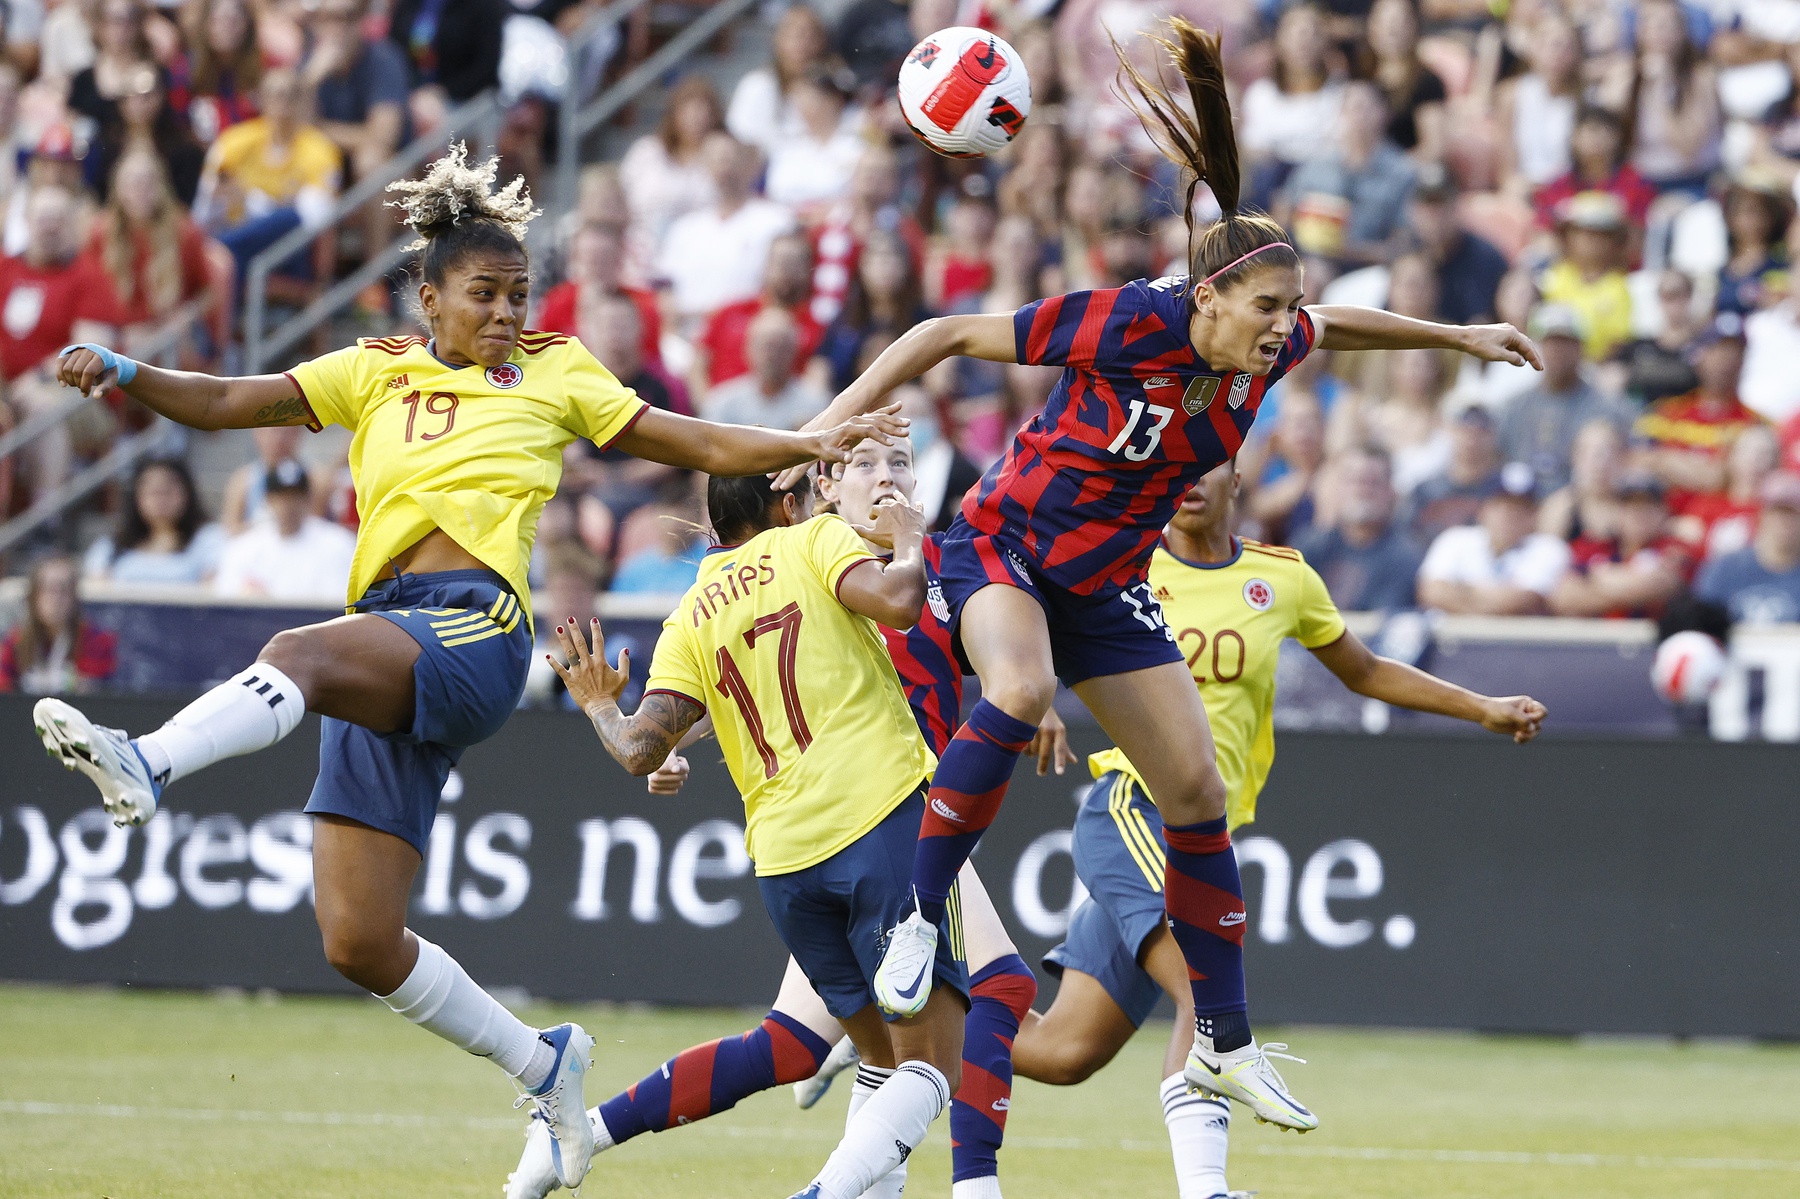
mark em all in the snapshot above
pixel 107 756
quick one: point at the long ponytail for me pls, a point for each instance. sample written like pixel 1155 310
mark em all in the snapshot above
pixel 1204 144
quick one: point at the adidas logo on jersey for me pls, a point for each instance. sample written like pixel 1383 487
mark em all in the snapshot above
pixel 399 380
pixel 1164 595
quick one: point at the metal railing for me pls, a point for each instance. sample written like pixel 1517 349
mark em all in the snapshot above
pixel 477 121
pixel 160 348
pixel 578 122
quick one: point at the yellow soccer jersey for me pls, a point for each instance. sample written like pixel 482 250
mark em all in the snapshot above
pixel 1230 621
pixel 803 695
pixel 470 451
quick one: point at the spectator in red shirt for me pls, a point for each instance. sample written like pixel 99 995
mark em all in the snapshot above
pixel 49 297
pixel 1598 149
pixel 597 257
pixel 1635 572
pixel 150 250
pixel 52 650
pixel 1688 435
pixel 787 285
pixel 1717 523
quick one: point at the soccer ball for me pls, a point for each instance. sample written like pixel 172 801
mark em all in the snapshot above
pixel 964 92
pixel 1688 666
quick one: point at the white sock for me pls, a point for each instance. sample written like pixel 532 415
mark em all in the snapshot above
pixel 438 995
pixel 602 1134
pixel 976 1188
pixel 250 711
pixel 887 1127
pixel 1199 1134
pixel 868 1081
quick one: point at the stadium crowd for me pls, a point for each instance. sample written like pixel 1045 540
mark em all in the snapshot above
pixel 1618 177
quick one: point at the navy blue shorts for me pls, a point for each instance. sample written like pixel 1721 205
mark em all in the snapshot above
pixel 474 648
pixel 1119 857
pixel 834 917
pixel 1090 635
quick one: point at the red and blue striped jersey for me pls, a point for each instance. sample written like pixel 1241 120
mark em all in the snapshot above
pixel 1133 423
pixel 929 673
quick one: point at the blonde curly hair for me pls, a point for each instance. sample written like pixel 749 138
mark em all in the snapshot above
pixel 455 193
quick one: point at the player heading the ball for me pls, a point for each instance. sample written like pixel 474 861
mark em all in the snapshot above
pixel 1044 568
pixel 458 440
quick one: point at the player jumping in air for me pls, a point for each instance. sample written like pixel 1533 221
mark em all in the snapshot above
pixel 793 1044
pixel 1044 568
pixel 1232 602
pixel 458 443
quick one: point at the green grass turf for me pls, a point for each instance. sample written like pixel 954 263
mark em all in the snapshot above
pixel 134 1095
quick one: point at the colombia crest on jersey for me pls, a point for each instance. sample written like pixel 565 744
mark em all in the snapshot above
pixel 1133 423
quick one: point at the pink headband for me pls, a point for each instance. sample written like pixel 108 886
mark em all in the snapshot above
pixel 1244 259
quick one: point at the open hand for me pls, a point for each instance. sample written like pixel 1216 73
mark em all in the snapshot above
pixel 1502 343
pixel 1519 716
pixel 885 424
pixel 1051 745
pixel 668 778
pixel 588 677
pixel 894 518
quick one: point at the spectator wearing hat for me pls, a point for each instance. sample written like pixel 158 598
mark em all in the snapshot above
pixel 812 168
pixel 1598 148
pixel 1538 427
pixel 1500 566
pixel 773 393
pixel 1365 557
pixel 1469 268
pixel 290 554
pixel 1659 367
pixel 1760 584
pixel 1589 277
pixel 1685 438
pixel 1349 206
pixel 53 650
pixel 1634 572
pixel 57 160
pixel 716 255
pixel 1454 495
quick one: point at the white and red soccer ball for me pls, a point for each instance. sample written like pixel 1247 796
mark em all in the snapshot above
pixel 964 92
pixel 1687 668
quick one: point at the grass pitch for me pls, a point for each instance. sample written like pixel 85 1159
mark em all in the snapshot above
pixel 136 1095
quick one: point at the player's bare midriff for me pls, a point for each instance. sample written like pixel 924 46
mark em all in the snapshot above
pixel 434 552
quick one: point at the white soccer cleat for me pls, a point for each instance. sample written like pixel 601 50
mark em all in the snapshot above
pixel 843 1056
pixel 903 980
pixel 1248 1076
pixel 105 755
pixel 561 1107
pixel 535 1175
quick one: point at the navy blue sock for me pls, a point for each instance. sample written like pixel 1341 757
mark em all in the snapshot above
pixel 965 795
pixel 999 996
pixel 1205 901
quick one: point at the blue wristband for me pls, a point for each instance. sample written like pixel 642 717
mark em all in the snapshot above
pixel 125 367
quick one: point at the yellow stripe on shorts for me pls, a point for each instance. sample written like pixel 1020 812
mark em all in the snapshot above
pixel 954 917
pixel 456 637
pixel 509 614
pixel 465 619
pixel 1134 830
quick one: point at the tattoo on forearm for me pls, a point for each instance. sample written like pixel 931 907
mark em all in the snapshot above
pixel 281 412
pixel 642 740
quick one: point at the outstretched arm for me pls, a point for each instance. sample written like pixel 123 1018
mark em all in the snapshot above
pixel 1347 327
pixel 1361 670
pixel 185 397
pixel 640 742
pixel 715 449
pixel 891 592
